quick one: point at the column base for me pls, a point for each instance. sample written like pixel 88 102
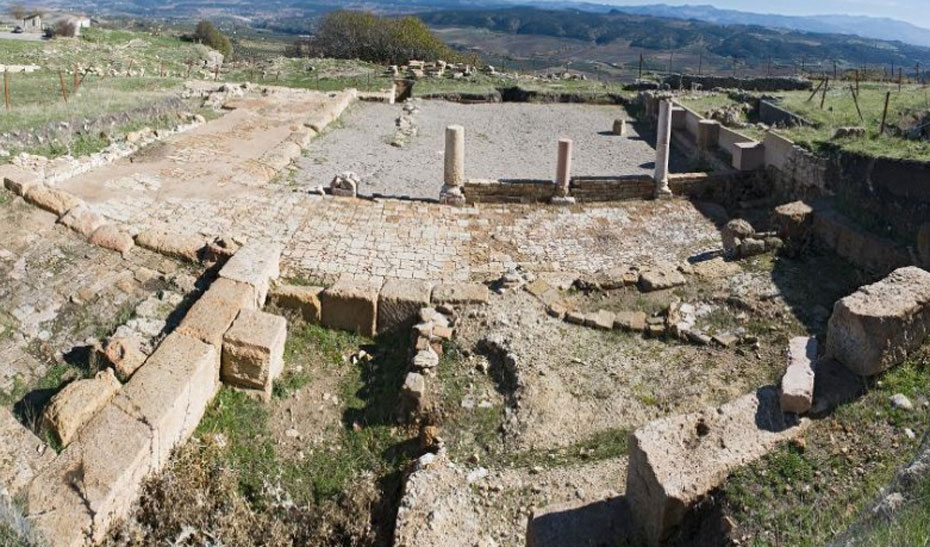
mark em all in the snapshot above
pixel 663 191
pixel 562 200
pixel 452 195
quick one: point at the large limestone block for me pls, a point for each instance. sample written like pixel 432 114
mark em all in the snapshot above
pixel 82 220
pixel 400 302
pixel 793 221
pixel 75 405
pixel 675 461
pixel 22 454
pixel 94 482
pixel 460 293
pixel 253 351
pixel 51 199
pixel 352 305
pixel 172 390
pixel 18 180
pixel 109 236
pixel 877 326
pixel 212 315
pixel 660 278
pixel 169 243
pixel 302 299
pixel 123 354
pixel 797 385
pixel 255 264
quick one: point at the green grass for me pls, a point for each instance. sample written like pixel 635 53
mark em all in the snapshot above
pixel 909 526
pixel 840 111
pixel 806 494
pixel 366 441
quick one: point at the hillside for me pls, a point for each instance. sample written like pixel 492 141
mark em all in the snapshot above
pixel 753 46
pixel 869 27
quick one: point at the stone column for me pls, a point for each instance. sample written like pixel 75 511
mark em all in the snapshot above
pixel 563 174
pixel 663 142
pixel 454 173
pixel 392 98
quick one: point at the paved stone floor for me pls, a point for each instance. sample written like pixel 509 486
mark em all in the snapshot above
pixel 57 291
pixel 509 140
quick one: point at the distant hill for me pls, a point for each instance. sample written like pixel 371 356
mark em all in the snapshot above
pixel 751 44
pixel 868 27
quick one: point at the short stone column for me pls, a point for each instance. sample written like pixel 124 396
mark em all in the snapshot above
pixel 663 145
pixel 563 174
pixel 454 172
pixel 392 98
pixel 619 128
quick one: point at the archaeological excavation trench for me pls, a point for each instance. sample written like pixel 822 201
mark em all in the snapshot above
pixel 656 330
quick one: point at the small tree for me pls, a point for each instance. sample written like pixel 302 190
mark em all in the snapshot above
pixel 207 34
pixel 18 11
pixel 65 29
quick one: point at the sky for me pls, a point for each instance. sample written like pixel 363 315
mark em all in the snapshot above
pixel 912 11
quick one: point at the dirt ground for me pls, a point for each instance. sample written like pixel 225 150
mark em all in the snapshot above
pixel 502 141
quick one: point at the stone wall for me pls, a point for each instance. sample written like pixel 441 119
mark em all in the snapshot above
pixel 593 189
pixel 508 191
pixel 773 114
pixel 677 81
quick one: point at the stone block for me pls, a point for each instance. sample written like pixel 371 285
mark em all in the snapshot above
pixel 239 294
pixel 22 454
pixel 255 264
pixel 619 127
pixel 109 236
pixel 82 220
pixel 460 293
pixel 675 461
pixel 18 180
pixel 171 391
pixel 93 483
pixel 400 302
pixel 876 327
pixel 601 319
pixel 304 300
pixel 209 319
pixel 748 156
pixel 52 200
pixel 630 320
pixel 660 278
pixel 793 221
pixel 175 245
pixel 708 134
pixel 352 305
pixel 797 385
pixel 75 405
pixel 123 354
pixel 253 351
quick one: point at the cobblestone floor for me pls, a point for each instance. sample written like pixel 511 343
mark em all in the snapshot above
pixel 57 291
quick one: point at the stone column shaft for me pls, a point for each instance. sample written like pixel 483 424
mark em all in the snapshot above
pixel 663 144
pixel 563 172
pixel 454 167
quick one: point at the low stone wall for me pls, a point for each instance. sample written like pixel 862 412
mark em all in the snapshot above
pixel 773 114
pixel 677 81
pixel 508 191
pixel 594 189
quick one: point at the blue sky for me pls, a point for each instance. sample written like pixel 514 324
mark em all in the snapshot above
pixel 912 11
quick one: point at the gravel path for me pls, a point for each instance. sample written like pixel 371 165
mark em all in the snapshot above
pixel 510 140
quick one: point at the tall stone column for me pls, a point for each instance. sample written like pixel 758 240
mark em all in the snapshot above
pixel 454 171
pixel 563 174
pixel 663 144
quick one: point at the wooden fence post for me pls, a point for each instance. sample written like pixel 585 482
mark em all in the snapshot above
pixel 61 84
pixel 881 130
pixel 823 97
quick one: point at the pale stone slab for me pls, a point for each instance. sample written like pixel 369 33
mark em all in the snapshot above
pixel 876 327
pixel 676 461
pixel 82 220
pixel 170 393
pixel 460 293
pixel 209 319
pixel 256 264
pixel 123 354
pixel 22 454
pixel 657 279
pixel 172 244
pixel 302 299
pixel 253 351
pixel 242 295
pixel 75 405
pixel 400 302
pixel 51 199
pixel 797 385
pixel 109 236
pixel 351 304
pixel 18 180
pixel 93 483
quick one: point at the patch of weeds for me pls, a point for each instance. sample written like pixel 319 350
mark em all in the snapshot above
pixel 607 444
pixel 243 424
pixel 309 347
pixel 908 526
pixel 125 312
pixel 805 493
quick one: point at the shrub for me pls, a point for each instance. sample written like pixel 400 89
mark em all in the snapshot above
pixel 207 34
pixel 365 36
pixel 65 29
